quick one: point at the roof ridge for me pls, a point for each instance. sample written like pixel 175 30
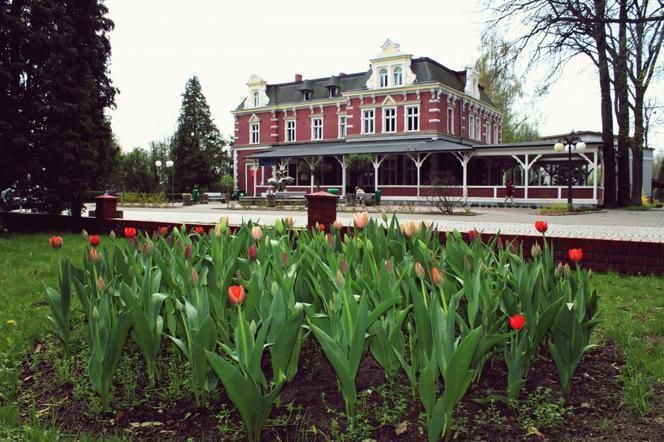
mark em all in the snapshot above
pixel 340 76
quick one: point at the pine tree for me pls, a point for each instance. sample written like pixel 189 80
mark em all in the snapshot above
pixel 197 146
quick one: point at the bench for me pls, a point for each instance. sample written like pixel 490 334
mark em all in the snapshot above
pixel 366 198
pixel 216 196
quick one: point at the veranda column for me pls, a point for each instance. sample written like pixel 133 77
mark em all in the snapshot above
pixel 418 164
pixel 463 159
pixel 526 176
pixel 342 161
pixel 376 164
pixel 595 175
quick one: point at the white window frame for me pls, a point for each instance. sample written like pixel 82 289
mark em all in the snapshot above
pixel 317 128
pixel 407 117
pixel 495 134
pixel 371 120
pixel 471 127
pixel 254 133
pixel 287 132
pixel 487 137
pixel 450 120
pixel 478 128
pixel 383 77
pixel 343 126
pixel 397 76
pixel 393 119
pixel 256 99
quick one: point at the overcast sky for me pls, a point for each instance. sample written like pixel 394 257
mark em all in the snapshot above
pixel 158 44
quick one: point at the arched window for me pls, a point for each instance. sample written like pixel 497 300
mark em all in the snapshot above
pixel 383 77
pixel 256 99
pixel 398 76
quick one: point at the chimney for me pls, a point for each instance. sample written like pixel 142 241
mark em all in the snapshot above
pixel 298 78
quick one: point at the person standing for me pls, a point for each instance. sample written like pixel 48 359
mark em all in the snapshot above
pixel 509 191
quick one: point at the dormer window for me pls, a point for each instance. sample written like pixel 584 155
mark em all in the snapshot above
pixel 398 76
pixel 306 95
pixel 256 99
pixel 307 90
pixel 383 77
pixel 332 91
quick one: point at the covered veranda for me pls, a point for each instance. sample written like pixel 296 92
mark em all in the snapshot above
pixel 411 170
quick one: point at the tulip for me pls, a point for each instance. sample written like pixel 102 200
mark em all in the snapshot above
pixel 200 230
pixel 194 276
pixel 343 265
pixel 95 240
pixel 147 249
pixel 541 226
pixel 472 234
pixel 111 233
pixel 388 266
pixel 409 229
pixel 361 219
pixel 338 225
pixel 436 276
pixel 559 270
pixel 340 278
pixel 84 234
pixel 187 252
pixel 330 241
pixel 517 321
pixel 236 294
pixel 536 250
pixel 288 221
pixel 11 323
pixel 101 285
pixel 178 305
pixel 279 226
pixel 284 259
pixel 419 270
pixel 567 270
pixel 253 252
pixel 383 215
pixel 55 242
pixel 256 233
pixel 163 230
pixel 95 311
pixel 575 255
pixel 93 256
pixel 129 232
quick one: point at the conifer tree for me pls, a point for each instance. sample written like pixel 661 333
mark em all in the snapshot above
pixel 197 146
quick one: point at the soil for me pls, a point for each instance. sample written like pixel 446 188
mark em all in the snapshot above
pixel 593 410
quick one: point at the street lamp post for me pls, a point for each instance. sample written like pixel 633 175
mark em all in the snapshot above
pixel 167 164
pixel 569 142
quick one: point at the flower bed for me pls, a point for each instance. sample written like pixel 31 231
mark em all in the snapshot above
pixel 239 307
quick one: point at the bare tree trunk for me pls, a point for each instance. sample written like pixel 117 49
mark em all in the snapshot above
pixel 622 108
pixel 637 148
pixel 607 112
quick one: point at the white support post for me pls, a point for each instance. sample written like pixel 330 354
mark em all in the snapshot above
pixel 254 168
pixel 595 176
pixel 342 161
pixel 376 164
pixel 463 159
pixel 418 164
pixel 312 165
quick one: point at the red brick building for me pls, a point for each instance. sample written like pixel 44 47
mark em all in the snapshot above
pixel 411 120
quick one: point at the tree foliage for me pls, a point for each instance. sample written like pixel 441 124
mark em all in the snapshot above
pixel 139 174
pixel 497 75
pixel 197 146
pixel 54 90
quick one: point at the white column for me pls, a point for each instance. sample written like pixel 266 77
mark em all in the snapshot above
pixel 418 164
pixel 342 161
pixel 595 176
pixel 526 176
pixel 255 170
pixel 463 159
pixel 376 164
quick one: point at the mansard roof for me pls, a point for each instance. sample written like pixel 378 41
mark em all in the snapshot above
pixel 425 69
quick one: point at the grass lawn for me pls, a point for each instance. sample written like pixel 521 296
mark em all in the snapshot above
pixel 632 307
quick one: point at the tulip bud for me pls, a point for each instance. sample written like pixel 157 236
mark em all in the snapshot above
pixel 178 305
pixel 340 278
pixel 567 270
pixel 112 234
pixel 288 221
pixel 383 215
pixel 84 234
pixel 95 313
pixel 93 256
pixel 436 276
pixel 252 253
pixel 419 270
pixel 101 285
pixel 256 233
pixel 187 252
pixel 194 276
pixel 536 250
pixel 284 259
pixel 369 245
pixel 388 266
pixel 330 241
pixel 279 226
pixel 344 265
pixel 338 225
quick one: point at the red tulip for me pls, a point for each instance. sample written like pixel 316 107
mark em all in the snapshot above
pixel 163 230
pixel 436 276
pixel 200 230
pixel 388 266
pixel 187 252
pixel 321 227
pixel 252 253
pixel 472 234
pixel 95 240
pixel 55 242
pixel 344 265
pixel 236 294
pixel 129 232
pixel 419 270
pixel 517 321
pixel 575 255
pixel 541 226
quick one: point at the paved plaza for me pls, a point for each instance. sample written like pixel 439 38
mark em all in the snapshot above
pixel 611 224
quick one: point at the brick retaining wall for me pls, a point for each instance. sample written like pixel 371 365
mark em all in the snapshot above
pixel 598 254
